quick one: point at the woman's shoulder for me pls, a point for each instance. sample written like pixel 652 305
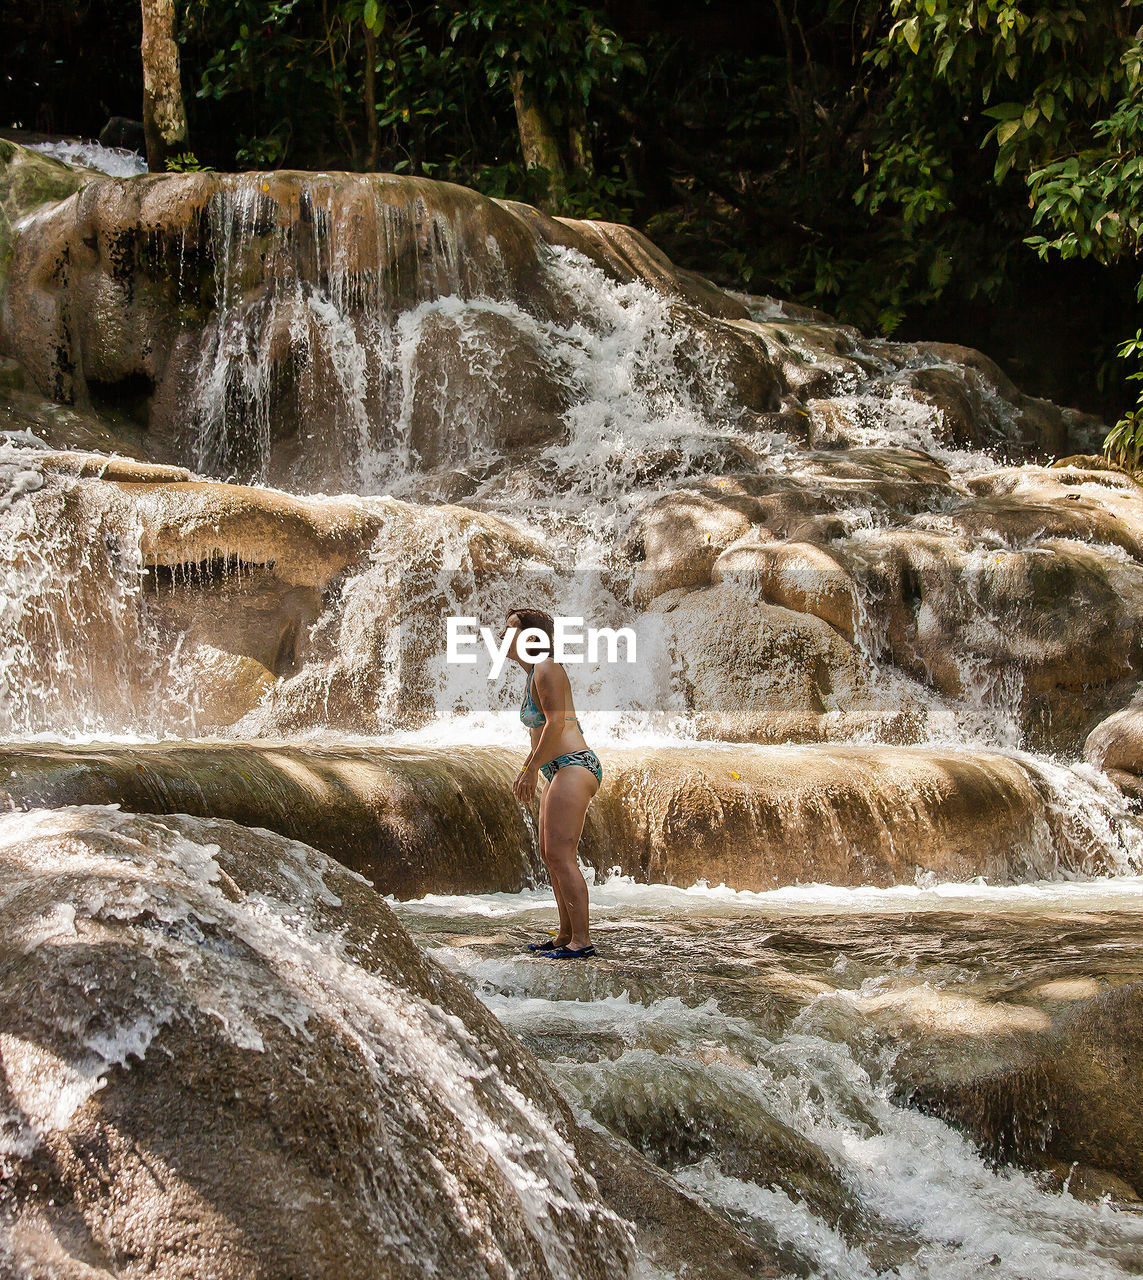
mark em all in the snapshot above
pixel 548 669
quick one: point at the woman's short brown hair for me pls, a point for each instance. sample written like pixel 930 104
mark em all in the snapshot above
pixel 535 618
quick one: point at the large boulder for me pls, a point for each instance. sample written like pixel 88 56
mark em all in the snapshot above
pixel 121 569
pixel 677 539
pixel 754 671
pixel 314 330
pixel 222 1055
pixel 420 820
pixel 1115 745
pixel 1017 593
pixel 1070 1090
pixel 245 317
pixel 29 181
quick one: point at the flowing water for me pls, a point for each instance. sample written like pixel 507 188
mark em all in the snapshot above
pixel 716 1015
pixel 716 1023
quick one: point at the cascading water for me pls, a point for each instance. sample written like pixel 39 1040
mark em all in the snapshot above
pixel 742 1040
pixel 489 445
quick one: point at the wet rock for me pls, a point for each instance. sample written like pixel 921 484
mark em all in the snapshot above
pixel 760 817
pixel 709 1112
pixel 1023 595
pixel 761 672
pixel 671 1226
pixel 96 465
pixel 1090 1184
pixel 414 822
pixel 121 132
pixel 341 598
pixel 29 181
pixel 629 255
pixel 444 820
pixel 1116 744
pixel 479 382
pixel 197 291
pixel 221 1053
pixel 677 538
pixel 1088 462
pixel 225 685
pixel 1070 1095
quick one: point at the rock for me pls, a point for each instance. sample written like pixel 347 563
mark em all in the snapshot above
pixel 145 562
pixel 124 133
pixel 444 820
pixel 413 822
pixel 629 255
pixel 1090 1184
pixel 1087 462
pixel 1116 744
pixel 29 181
pixel 755 817
pixel 1022 597
pixel 307 541
pixel 679 1112
pixel 803 577
pixel 479 381
pixel 171 276
pixel 814 359
pixel 1071 1095
pixel 41 422
pixel 677 538
pixel 760 672
pixel 222 1053
pixel 224 686
pixel 670 1225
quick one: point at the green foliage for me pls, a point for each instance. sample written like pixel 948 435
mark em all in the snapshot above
pixel 300 71
pixel 608 196
pixel 1124 443
pixel 186 162
pixel 564 50
pixel 1051 95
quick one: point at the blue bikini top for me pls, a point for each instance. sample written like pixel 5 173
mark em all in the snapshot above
pixel 530 712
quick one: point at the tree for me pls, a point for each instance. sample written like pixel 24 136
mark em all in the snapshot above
pixel 1058 91
pixel 552 55
pixel 164 116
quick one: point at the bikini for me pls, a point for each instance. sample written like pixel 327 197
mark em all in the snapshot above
pixel 534 718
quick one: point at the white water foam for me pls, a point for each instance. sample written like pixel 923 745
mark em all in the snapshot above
pixel 117 162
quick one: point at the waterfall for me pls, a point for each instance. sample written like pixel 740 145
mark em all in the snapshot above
pixel 848 855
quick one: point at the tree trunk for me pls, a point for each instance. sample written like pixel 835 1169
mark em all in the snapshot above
pixel 538 140
pixel 164 117
pixel 372 134
pixel 579 149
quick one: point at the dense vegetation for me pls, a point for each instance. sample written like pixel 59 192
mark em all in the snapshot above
pixel 958 169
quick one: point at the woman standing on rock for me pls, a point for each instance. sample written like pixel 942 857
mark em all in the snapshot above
pixel 573 774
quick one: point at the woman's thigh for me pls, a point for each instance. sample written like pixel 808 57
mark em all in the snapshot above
pixel 565 805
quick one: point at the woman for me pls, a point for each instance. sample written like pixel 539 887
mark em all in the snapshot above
pixel 573 774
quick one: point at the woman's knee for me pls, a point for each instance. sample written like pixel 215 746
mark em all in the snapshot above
pixel 563 863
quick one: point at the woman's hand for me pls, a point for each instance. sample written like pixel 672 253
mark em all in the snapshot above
pixel 524 787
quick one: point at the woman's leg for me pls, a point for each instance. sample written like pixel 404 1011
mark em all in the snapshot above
pixel 567 797
pixel 564 932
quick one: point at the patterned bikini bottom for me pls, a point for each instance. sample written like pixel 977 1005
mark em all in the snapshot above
pixel 588 759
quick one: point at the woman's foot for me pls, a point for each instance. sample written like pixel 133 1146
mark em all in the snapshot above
pixel 551 944
pixel 571 953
